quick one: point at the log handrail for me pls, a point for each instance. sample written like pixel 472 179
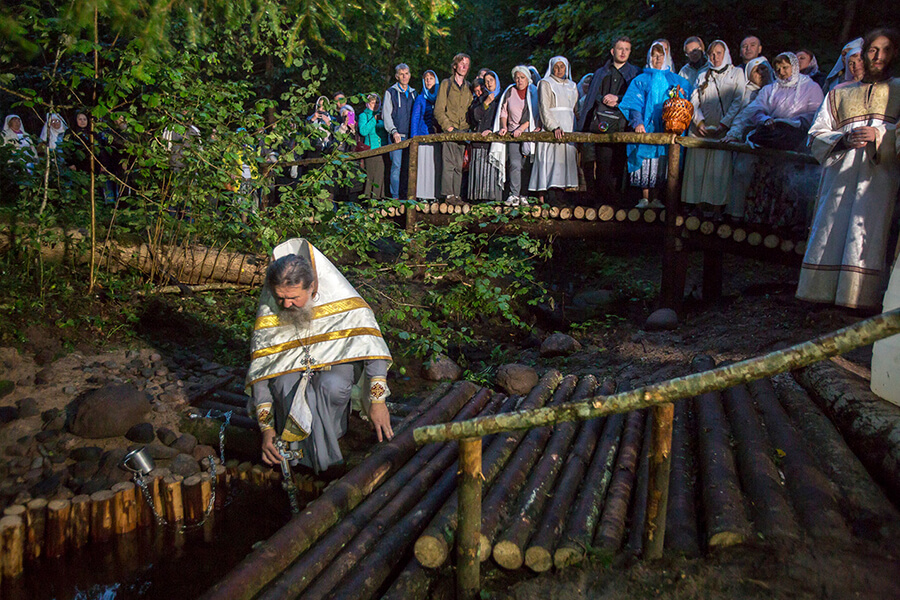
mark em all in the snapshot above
pixel 838 342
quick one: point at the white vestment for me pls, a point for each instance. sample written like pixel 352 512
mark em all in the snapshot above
pixel 556 165
pixel 845 255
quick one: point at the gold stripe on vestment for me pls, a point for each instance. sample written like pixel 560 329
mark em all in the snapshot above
pixel 315 339
pixel 318 367
pixel 318 312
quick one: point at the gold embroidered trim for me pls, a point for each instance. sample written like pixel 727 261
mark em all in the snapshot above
pixel 315 339
pixel 317 367
pixel 318 312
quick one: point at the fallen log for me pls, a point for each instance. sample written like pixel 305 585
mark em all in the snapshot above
pixel 681 516
pixel 509 551
pixel 329 560
pixel 723 505
pixel 273 556
pixel 413 583
pixel 773 516
pixel 433 547
pixel 812 493
pixel 870 425
pixel 863 504
pixel 640 502
pixel 539 555
pixel 585 513
pixel 615 509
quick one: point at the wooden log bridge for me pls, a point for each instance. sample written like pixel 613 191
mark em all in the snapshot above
pixel 388 528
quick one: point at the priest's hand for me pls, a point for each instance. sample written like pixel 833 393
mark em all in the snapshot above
pixel 381 420
pixel 270 454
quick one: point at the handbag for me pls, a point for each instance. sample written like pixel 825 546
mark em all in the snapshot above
pixel 607 121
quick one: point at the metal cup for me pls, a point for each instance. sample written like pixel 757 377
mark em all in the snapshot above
pixel 139 461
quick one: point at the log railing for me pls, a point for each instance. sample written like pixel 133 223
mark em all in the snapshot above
pixel 670 289
pixel 659 397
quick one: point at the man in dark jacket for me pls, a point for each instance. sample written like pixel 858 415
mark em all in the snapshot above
pixel 396 111
pixel 604 164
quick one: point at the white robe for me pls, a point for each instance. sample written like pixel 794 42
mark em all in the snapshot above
pixel 845 255
pixel 555 165
pixel 707 173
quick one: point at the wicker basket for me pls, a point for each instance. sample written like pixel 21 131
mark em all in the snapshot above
pixel 677 112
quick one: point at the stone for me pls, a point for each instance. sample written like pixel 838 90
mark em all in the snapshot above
pixel 63 493
pixel 70 390
pixel 203 451
pixel 8 414
pixel 95 484
pixel 184 465
pixel 47 436
pixel 50 414
pixel 142 433
pixel 28 408
pixel 110 462
pixel 185 443
pixel 155 357
pixel 662 319
pixel 559 344
pixel 85 469
pixel 441 368
pixel 6 387
pixel 110 411
pixel 42 377
pixel 166 436
pixel 516 379
pixel 159 452
pixel 92 453
pixel 47 486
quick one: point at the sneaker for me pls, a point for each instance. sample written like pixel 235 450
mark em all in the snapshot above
pixel 523 201
pixel 657 204
pixel 643 203
pixel 454 200
pixel 511 201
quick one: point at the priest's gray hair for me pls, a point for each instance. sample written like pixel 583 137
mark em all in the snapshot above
pixel 290 270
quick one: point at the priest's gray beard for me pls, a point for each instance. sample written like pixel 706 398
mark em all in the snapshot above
pixel 296 315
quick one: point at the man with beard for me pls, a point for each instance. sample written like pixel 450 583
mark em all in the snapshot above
pixel 604 164
pixel 315 345
pixel 853 136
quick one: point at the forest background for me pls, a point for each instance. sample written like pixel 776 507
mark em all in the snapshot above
pixel 246 74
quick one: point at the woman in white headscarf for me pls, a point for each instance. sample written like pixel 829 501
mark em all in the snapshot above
pixel 53 131
pixel 15 135
pixel 555 164
pixel 717 101
pixel 483 181
pixel 841 71
pixel 809 66
pixel 518 113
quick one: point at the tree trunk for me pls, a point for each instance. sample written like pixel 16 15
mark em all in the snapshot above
pixel 681 517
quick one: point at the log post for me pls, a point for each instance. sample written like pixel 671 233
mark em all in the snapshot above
pixel 12 546
pixel 660 467
pixel 102 516
pixel 145 508
pixel 670 295
pixel 35 526
pixel 58 512
pixel 413 171
pixel 172 498
pixel 125 508
pixel 468 566
pixel 80 520
pixel 222 486
pixel 193 501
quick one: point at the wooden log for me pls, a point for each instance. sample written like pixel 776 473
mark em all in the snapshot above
pixel 870 425
pixel 241 437
pixel 509 551
pixel 173 499
pixel 615 510
pixel 35 527
pixel 324 565
pixel 591 214
pixel 726 521
pixel 773 515
pixel 222 486
pixel 433 547
pixel 499 501
pixel 707 227
pixel 56 537
pixel 800 248
pixel 468 574
pixel 681 519
pixel 259 475
pixel 859 334
pixel 863 503
pixel 649 216
pixel 12 546
pixel 145 516
pixel 274 556
pixel 621 215
pixel 724 231
pixel 585 513
pixel 639 517
pixel 565 213
pixel 413 583
pixel 125 507
pixel 786 245
pixel 811 492
pixel 739 235
pixel 754 238
pixel 634 215
pixel 435 208
pixel 578 213
pixel 659 468
pixel 80 521
pixel 243 471
pixel 539 555
pixel 692 223
pixel 16 510
pixel 771 241
pixel 554 212
pixel 102 521
pixel 223 407
pixel 192 496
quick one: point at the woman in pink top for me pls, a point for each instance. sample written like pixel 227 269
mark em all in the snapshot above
pixel 518 113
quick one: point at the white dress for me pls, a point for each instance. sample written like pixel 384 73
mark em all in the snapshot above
pixel 845 256
pixel 555 165
pixel 707 173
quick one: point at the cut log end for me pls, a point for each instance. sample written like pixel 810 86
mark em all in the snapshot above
pixel 484 548
pixel 431 551
pixel 508 555
pixel 565 556
pixel 538 559
pixel 725 539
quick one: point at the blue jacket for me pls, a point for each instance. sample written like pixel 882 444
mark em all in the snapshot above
pixel 422 117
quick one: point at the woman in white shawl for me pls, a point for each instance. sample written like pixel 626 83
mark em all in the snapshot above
pixel 555 164
pixel 717 101
pixel 841 71
pixel 15 135
pixel 518 114
pixel 53 131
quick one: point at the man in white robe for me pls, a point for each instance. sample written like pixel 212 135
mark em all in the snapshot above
pixel 853 136
pixel 315 345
